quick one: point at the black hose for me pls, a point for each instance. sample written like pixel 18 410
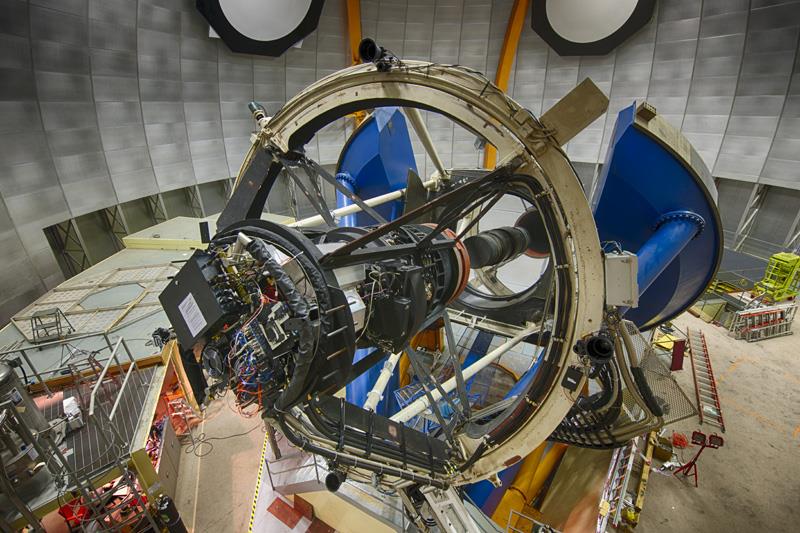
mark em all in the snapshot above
pixel 304 356
pixel 597 400
pixel 647 393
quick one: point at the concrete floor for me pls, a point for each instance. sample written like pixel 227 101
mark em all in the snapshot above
pixel 751 484
pixel 215 491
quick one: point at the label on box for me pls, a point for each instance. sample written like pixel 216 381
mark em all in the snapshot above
pixel 192 315
pixel 16 397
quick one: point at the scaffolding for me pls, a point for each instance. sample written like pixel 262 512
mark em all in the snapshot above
pixel 96 487
pixel 781 279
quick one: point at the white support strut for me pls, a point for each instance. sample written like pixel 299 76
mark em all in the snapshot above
pixel 415 117
pixel 375 395
pixel 353 208
pixel 422 403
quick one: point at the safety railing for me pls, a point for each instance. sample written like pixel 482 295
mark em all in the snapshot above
pixel 109 433
pixel 126 514
pixel 113 358
pixel 285 459
pixel 519 522
pixel 43 376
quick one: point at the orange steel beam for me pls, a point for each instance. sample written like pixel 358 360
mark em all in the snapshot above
pixel 354 29
pixel 354 36
pixel 507 54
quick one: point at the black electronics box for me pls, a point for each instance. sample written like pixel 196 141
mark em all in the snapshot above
pixel 189 300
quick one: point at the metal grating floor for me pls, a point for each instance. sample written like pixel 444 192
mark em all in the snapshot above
pixel 677 405
pixel 85 448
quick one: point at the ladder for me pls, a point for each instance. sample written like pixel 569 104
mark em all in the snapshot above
pixel 615 490
pixel 705 386
pixel 765 322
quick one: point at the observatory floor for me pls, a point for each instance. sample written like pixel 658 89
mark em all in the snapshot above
pixel 750 484
pixel 753 482
pixel 214 492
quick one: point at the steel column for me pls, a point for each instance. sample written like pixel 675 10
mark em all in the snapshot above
pixel 507 54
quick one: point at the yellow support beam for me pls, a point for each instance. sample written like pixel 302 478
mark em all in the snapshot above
pixel 517 494
pixel 354 29
pixel 354 37
pixel 631 514
pixel 507 54
pixel 546 467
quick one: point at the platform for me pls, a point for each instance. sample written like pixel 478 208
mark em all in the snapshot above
pixel 84 448
pixel 301 473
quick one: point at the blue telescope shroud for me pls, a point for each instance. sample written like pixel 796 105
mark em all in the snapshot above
pixel 654 197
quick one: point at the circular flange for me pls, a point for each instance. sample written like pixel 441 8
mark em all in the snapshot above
pixel 472 101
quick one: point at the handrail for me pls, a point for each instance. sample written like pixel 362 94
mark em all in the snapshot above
pixel 103 375
pixel 55 342
pixel 122 389
pixel 22 350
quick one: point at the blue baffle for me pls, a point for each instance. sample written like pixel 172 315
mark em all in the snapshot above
pixel 656 198
pixel 375 161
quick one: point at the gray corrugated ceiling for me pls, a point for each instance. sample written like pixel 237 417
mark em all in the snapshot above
pixel 105 101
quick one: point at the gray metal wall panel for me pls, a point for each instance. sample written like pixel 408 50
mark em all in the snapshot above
pixel 15 20
pixel 719 52
pixel 369 18
pixel 51 25
pixel 674 57
pixel 530 69
pixel 105 101
pixel 56 57
pixel 31 191
pixel 63 79
pixel 763 82
pixel 630 79
pixel 390 28
pixel 773 222
pixel 269 82
pixel 445 46
pixel 474 34
pixel 73 7
pixel 113 11
pixel 417 43
pixel 732 201
pixel 17 84
pixel 782 167
pixel 237 124
pixel 213 196
pixel 163 89
pixel 19 282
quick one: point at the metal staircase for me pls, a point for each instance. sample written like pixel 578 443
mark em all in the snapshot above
pixel 705 385
pixel 451 513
